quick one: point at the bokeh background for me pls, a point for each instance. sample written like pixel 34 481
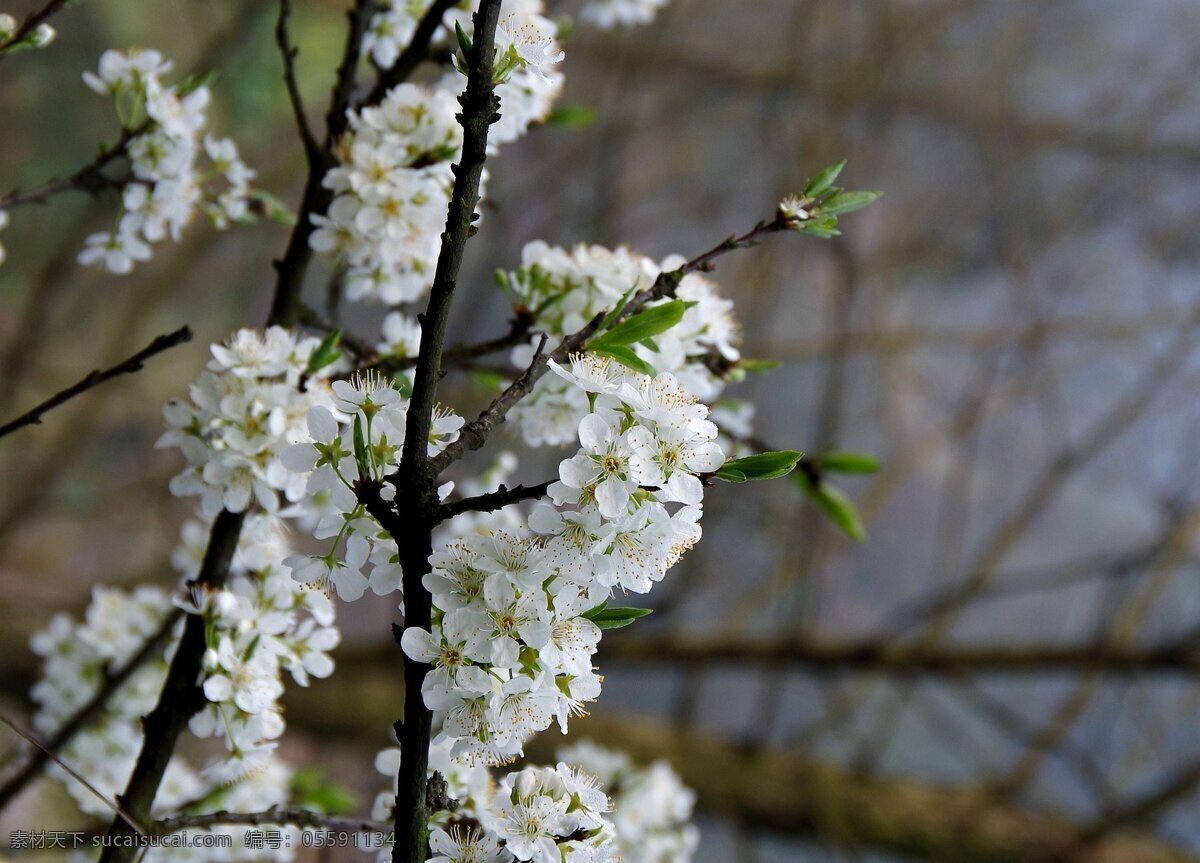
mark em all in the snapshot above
pixel 1007 669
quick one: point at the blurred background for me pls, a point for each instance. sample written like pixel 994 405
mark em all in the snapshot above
pixel 1008 667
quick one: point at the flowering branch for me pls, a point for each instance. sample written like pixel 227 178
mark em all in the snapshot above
pixel 474 434
pixel 413 55
pixel 90 178
pixel 114 679
pixel 275 815
pixel 181 697
pixel 95 378
pixel 285 308
pixel 28 28
pixel 289 52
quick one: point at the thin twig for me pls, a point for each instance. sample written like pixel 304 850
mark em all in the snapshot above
pixel 275 815
pixel 413 55
pixel 95 378
pixel 31 22
pixel 288 52
pixel 476 432
pixel 90 178
pixel 493 501
pixel 74 774
pixel 114 679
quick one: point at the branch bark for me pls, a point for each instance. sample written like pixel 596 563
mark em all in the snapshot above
pixel 416 486
pixel 781 791
pixel 181 698
pixel 97 377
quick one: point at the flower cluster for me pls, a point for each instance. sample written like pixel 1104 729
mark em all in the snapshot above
pixel 552 815
pixel 360 439
pixel 652 808
pixel 77 656
pixel 541 814
pixel 393 179
pixel 244 410
pixel 259 625
pixel 392 186
pixel 565 289
pixel 167 183
pixel 512 642
pixel 607 14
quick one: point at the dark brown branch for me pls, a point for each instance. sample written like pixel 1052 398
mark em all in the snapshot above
pixel 95 378
pixel 181 698
pixel 476 432
pixel 276 815
pixel 288 52
pixel 779 790
pixel 880 657
pixel 416 487
pixel 290 269
pixel 32 21
pixel 493 501
pixel 114 679
pixel 416 52
pixel 91 178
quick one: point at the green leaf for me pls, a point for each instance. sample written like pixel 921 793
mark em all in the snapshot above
pixel 846 202
pixel 823 180
pixel 489 381
pixel 764 465
pixel 326 352
pixel 832 501
pixel 824 227
pixel 618 308
pixel 847 462
pixel 195 82
pixel 360 448
pixel 265 204
pixel 614 618
pixel 626 357
pixel 311 789
pixel 464 41
pixel 645 324
pixel 758 366
pixel 572 117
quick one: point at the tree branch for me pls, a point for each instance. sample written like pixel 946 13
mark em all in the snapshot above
pixel 475 433
pixel 414 53
pixel 275 815
pixel 31 22
pixel 288 52
pixel 181 698
pixel 882 657
pixel 90 178
pixel 114 679
pixel 492 501
pixel 95 378
pixel 782 791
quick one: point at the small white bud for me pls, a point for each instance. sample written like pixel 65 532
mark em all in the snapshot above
pixel 43 35
pixel 8 26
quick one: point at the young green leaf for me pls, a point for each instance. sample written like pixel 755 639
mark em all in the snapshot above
pixel 846 202
pixel 360 448
pixel 614 618
pixel 626 357
pixel 645 324
pixel 572 117
pixel 823 180
pixel 832 501
pixel 764 465
pixel 325 353
pixel 755 367
pixel 847 462
pixel 618 308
